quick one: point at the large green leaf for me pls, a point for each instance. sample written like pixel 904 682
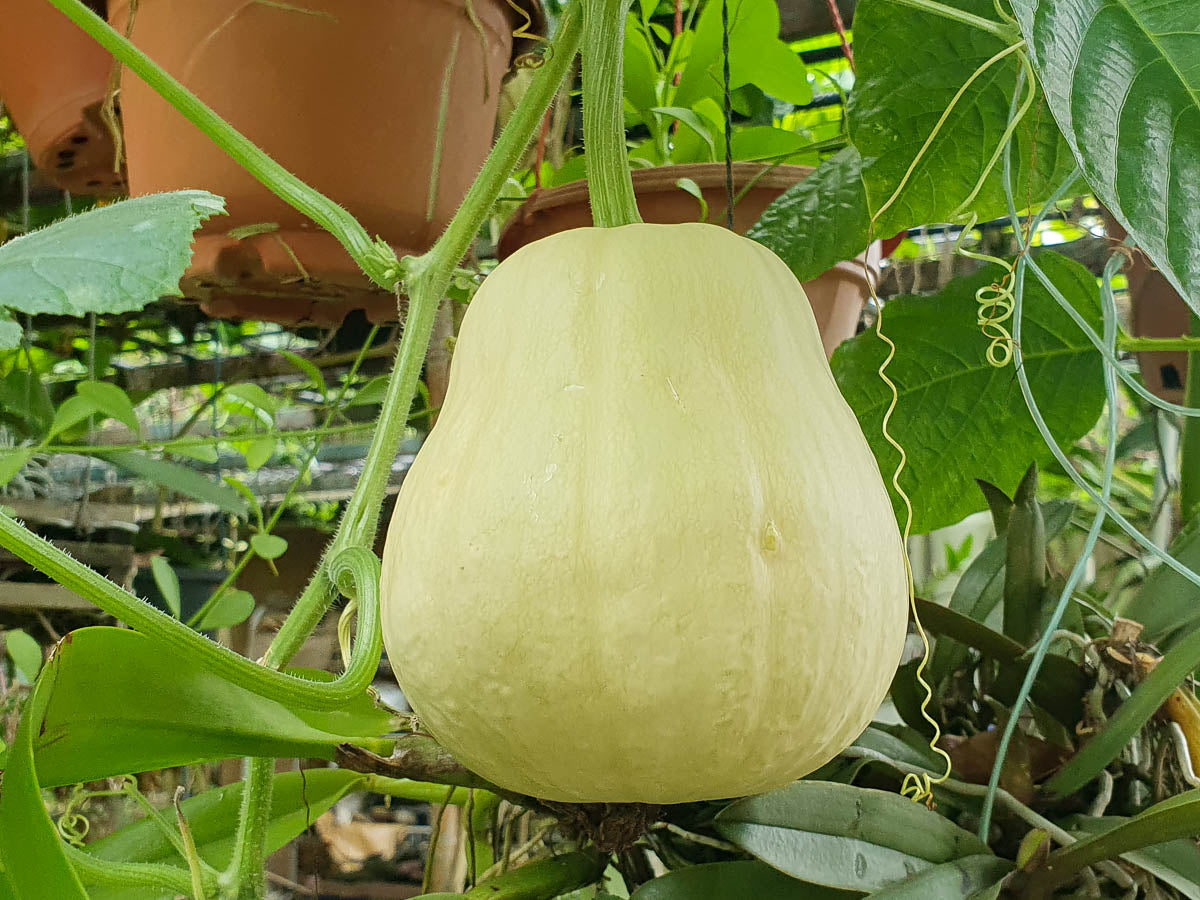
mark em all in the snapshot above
pixel 724 880
pixel 120 704
pixel 32 860
pixel 297 800
pixel 910 64
pixel 109 260
pixel 844 837
pixel 819 221
pixel 1121 79
pixel 958 417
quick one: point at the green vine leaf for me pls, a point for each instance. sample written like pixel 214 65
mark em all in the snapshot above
pixel 821 220
pixel 12 462
pixel 269 546
pixel 122 703
pixel 232 608
pixel 958 417
pixel 111 402
pixel 910 65
pixel 113 259
pixel 25 653
pixel 167 582
pixel 1122 81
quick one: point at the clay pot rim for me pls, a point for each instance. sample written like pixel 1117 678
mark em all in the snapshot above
pixel 537 13
pixel 658 179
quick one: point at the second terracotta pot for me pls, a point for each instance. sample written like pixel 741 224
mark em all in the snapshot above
pixel 837 296
pixel 386 106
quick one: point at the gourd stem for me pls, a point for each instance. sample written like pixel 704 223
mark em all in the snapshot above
pixel 610 185
pixel 426 282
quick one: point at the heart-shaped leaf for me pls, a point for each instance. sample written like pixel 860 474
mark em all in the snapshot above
pixel 958 417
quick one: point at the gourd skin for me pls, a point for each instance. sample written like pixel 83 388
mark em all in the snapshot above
pixel 646 554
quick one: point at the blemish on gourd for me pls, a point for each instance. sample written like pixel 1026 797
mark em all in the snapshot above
pixel 771 538
pixel 573 387
pixel 860 865
pixel 675 394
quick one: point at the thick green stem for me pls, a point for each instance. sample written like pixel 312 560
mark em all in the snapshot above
pixel 610 185
pixel 426 281
pixel 375 257
pixel 1189 465
pixel 245 878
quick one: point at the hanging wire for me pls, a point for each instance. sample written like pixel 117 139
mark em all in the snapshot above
pixel 728 116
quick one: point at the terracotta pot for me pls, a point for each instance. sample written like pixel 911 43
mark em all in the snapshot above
pixel 348 96
pixel 53 78
pixel 837 297
pixel 1158 311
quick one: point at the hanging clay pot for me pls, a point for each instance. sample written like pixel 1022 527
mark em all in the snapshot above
pixel 385 106
pixel 53 80
pixel 1158 312
pixel 837 296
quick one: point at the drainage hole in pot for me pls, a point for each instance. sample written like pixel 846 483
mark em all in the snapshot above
pixel 66 154
pixel 1170 377
pixel 66 164
pixel 95 182
pixel 79 139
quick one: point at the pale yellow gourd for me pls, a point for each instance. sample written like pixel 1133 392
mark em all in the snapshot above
pixel 646 554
